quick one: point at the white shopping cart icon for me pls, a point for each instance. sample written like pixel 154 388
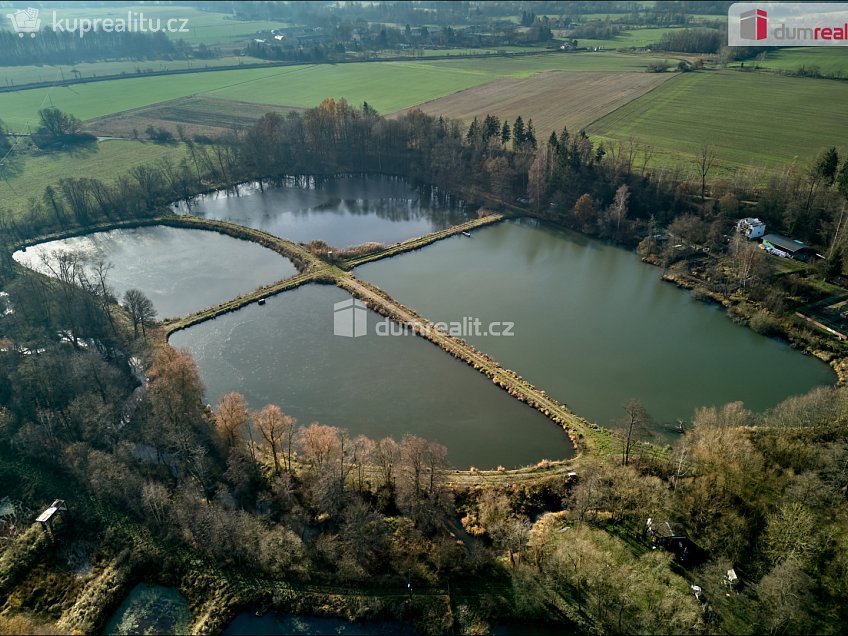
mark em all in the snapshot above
pixel 25 21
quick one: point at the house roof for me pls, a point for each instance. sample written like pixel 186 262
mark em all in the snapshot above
pixel 57 506
pixel 785 243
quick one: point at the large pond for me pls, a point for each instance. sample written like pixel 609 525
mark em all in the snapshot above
pixel 247 623
pixel 151 609
pixel 180 270
pixel 343 211
pixel 594 326
pixel 285 353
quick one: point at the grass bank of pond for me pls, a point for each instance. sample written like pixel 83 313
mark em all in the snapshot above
pixel 270 623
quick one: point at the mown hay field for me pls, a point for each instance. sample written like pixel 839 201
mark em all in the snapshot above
pixel 28 74
pixel 831 61
pixel 197 115
pixel 553 99
pixel 632 38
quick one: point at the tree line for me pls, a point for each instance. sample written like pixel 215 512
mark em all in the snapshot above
pixel 62 47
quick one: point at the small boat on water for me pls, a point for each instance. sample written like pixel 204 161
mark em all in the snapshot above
pixel 468 234
pixel 261 301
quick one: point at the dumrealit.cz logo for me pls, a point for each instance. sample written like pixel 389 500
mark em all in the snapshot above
pixel 787 24
pixel 26 21
pixel 350 318
pixel 753 24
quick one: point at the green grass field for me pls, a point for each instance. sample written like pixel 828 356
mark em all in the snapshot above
pixel 634 38
pixel 110 160
pixel 388 86
pixel 753 119
pixel 830 60
pixel 10 75
pixel 203 26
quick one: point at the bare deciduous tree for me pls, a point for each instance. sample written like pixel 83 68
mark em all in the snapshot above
pixel 232 418
pixel 273 424
pixel 141 310
pixel 704 163
pixel 636 421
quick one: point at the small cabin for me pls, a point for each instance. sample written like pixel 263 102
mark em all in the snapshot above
pixel 47 517
pixel 751 228
pixel 731 579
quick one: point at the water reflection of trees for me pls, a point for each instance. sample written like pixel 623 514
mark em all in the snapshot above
pixel 389 198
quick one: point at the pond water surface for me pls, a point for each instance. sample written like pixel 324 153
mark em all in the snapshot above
pixel 595 326
pixel 285 353
pixel 151 609
pixel 180 270
pixel 343 211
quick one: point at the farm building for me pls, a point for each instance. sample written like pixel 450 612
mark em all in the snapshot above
pixel 787 247
pixel 751 227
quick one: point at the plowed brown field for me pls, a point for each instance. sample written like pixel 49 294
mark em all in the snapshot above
pixel 552 99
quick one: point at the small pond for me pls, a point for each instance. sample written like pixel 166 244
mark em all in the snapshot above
pixel 180 270
pixel 343 210
pixel 285 353
pixel 151 609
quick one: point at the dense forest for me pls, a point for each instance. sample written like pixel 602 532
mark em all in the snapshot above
pixel 119 418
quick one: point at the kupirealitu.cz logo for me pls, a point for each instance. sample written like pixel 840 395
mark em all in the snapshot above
pixel 787 24
pixel 26 22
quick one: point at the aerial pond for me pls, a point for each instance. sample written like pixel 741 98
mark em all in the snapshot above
pixel 180 270
pixel 344 210
pixel 285 353
pixel 594 326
